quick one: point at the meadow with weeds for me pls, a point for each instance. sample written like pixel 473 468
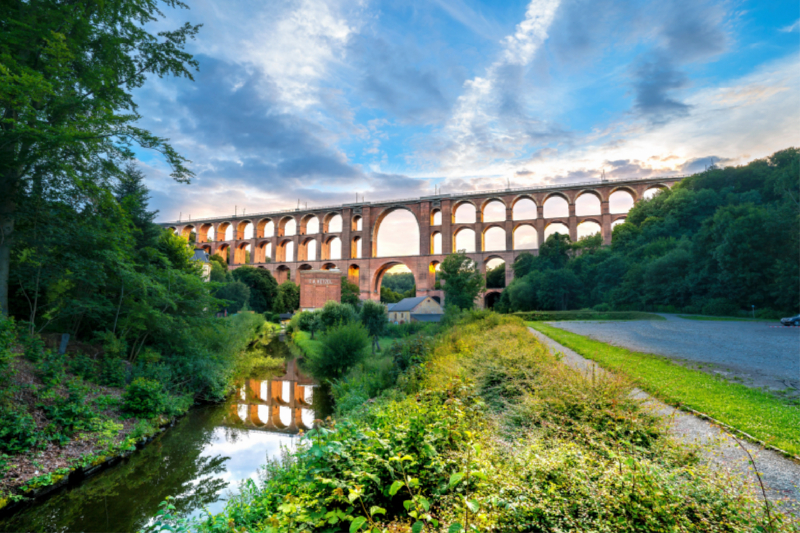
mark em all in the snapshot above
pixel 481 428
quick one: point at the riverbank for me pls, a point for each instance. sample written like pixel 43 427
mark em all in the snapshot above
pixel 485 429
pixel 69 426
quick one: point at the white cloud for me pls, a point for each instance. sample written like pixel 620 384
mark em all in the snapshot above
pixel 791 27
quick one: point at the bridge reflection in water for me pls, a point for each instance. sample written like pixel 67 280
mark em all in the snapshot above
pixel 283 404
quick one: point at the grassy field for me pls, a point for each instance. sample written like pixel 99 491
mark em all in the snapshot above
pixel 761 414
pixel 728 318
pixel 551 316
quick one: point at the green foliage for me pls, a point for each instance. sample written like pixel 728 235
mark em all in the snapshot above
pixel 111 371
pixel 84 366
pixel 288 299
pixel 716 243
pixel 263 287
pixel 335 314
pixel 50 369
pixel 496 277
pixel 400 282
pixel 375 318
pixel 351 294
pixel 462 280
pixel 144 397
pixel 236 295
pixel 220 273
pixel 398 331
pixel 70 414
pixel 17 431
pixel 342 346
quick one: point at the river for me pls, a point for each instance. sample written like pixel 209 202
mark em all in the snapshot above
pixel 200 461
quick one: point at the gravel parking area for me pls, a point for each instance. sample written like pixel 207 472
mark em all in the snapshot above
pixel 748 352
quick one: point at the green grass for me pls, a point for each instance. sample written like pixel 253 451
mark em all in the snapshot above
pixel 586 314
pixel 757 412
pixel 727 318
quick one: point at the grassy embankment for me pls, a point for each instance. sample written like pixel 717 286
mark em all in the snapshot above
pixel 586 314
pixel 767 417
pixel 485 430
pixel 68 417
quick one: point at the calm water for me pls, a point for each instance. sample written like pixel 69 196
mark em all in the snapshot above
pixel 200 461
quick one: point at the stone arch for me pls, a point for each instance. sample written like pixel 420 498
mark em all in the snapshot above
pixel 551 226
pixel 332 248
pixel 488 204
pixel 241 229
pixel 491 297
pixel 206 248
pixel 222 231
pixel 653 190
pixel 356 223
pixel 307 251
pixel 468 243
pixel 525 237
pixel 305 266
pixel 285 251
pixel 187 231
pixel 263 252
pixel 354 274
pixel 287 226
pixel 617 202
pixel 462 203
pixel 304 225
pixel 202 234
pixel 377 277
pixel 586 226
pixel 553 204
pixel 173 229
pixel 520 210
pixel 242 250
pixel 265 228
pixel 436 243
pixel 494 229
pixel 436 217
pixel 223 250
pixel 331 218
pixel 282 273
pixel 433 267
pixel 356 250
pixel 382 217
pixel 330 266
pixel 581 207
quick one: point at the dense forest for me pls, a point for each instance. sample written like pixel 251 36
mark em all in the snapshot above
pixel 718 243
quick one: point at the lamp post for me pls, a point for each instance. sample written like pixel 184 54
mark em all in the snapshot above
pixel 754 310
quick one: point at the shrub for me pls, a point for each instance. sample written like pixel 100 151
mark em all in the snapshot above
pixel 720 307
pixel 602 308
pixel 335 314
pixel 398 331
pixel 51 368
pixel 72 413
pixel 341 348
pixel 17 431
pixel 144 397
pixel 112 371
pixel 84 366
pixel 33 345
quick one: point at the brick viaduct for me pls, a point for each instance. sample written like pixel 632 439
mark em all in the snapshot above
pixel 435 216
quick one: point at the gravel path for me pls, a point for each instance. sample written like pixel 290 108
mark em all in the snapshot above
pixel 749 352
pixel 780 475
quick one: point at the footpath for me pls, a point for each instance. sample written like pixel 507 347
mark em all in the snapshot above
pixel 779 474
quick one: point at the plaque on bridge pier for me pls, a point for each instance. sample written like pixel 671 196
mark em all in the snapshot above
pixel 318 287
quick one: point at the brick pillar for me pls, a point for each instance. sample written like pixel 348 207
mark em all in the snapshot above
pixel 366 233
pixel 478 227
pixel 425 229
pixel 508 225
pixel 447 227
pixel 539 224
pixel 347 224
pixel 605 216
pixel 573 223
pixel 318 240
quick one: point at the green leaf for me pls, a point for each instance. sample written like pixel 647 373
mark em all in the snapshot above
pixel 357 523
pixel 376 510
pixel 408 504
pixel 455 527
pixel 473 506
pixel 406 458
pixel 425 503
pixel 417 527
pixel 480 475
pixel 455 479
pixel 395 487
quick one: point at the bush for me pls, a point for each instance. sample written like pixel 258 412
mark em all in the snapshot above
pixel 112 371
pixel 720 307
pixel 71 414
pixel 144 397
pixel 335 314
pixel 17 431
pixel 84 366
pixel 33 345
pixel 602 308
pixel 398 331
pixel 341 348
pixel 51 368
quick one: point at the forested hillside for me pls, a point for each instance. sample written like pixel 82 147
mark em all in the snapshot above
pixel 717 243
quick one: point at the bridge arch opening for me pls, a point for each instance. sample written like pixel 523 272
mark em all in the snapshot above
pixel 223 250
pixel 615 224
pixel 396 233
pixel 495 267
pixel 285 251
pixel 265 228
pixel 173 229
pixel 587 228
pixel 308 250
pixel 436 217
pixel 357 223
pixel 465 213
pixel 309 225
pixel 244 230
pixel 494 239
pixel 204 231
pixel 654 191
pixel 264 253
pixel 188 232
pixel 304 267
pixel 332 223
pixel 332 248
pixel 225 231
pixel 555 227
pixel 330 266
pixel 243 254
pixel 282 273
pixel 526 237
pixel 464 240
pixel 494 210
pixel 556 206
pixel 392 268
pixel 355 248
pixel 436 243
pixel 490 299
pixel 524 208
pixel 433 274
pixel 287 226
pixel 588 203
pixel 620 201
pixel 354 274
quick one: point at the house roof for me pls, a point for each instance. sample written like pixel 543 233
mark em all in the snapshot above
pixel 425 317
pixel 407 304
pixel 389 307
pixel 200 255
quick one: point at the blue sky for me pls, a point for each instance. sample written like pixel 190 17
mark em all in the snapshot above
pixel 322 100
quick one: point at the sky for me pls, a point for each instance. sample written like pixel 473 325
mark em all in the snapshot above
pixel 323 102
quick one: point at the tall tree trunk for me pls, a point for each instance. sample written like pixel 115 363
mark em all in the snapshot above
pixel 7 209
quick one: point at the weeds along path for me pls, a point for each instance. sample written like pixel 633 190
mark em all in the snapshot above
pixel 780 475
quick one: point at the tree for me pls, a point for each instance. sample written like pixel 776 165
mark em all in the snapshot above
pixel 133 196
pixel 263 287
pixel 523 264
pixel 236 293
pixel 374 317
pixel 68 114
pixel 388 296
pixel 350 292
pixel 496 277
pixel 219 273
pixel 462 280
pixel 288 298
pixel 335 313
pixel 342 347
